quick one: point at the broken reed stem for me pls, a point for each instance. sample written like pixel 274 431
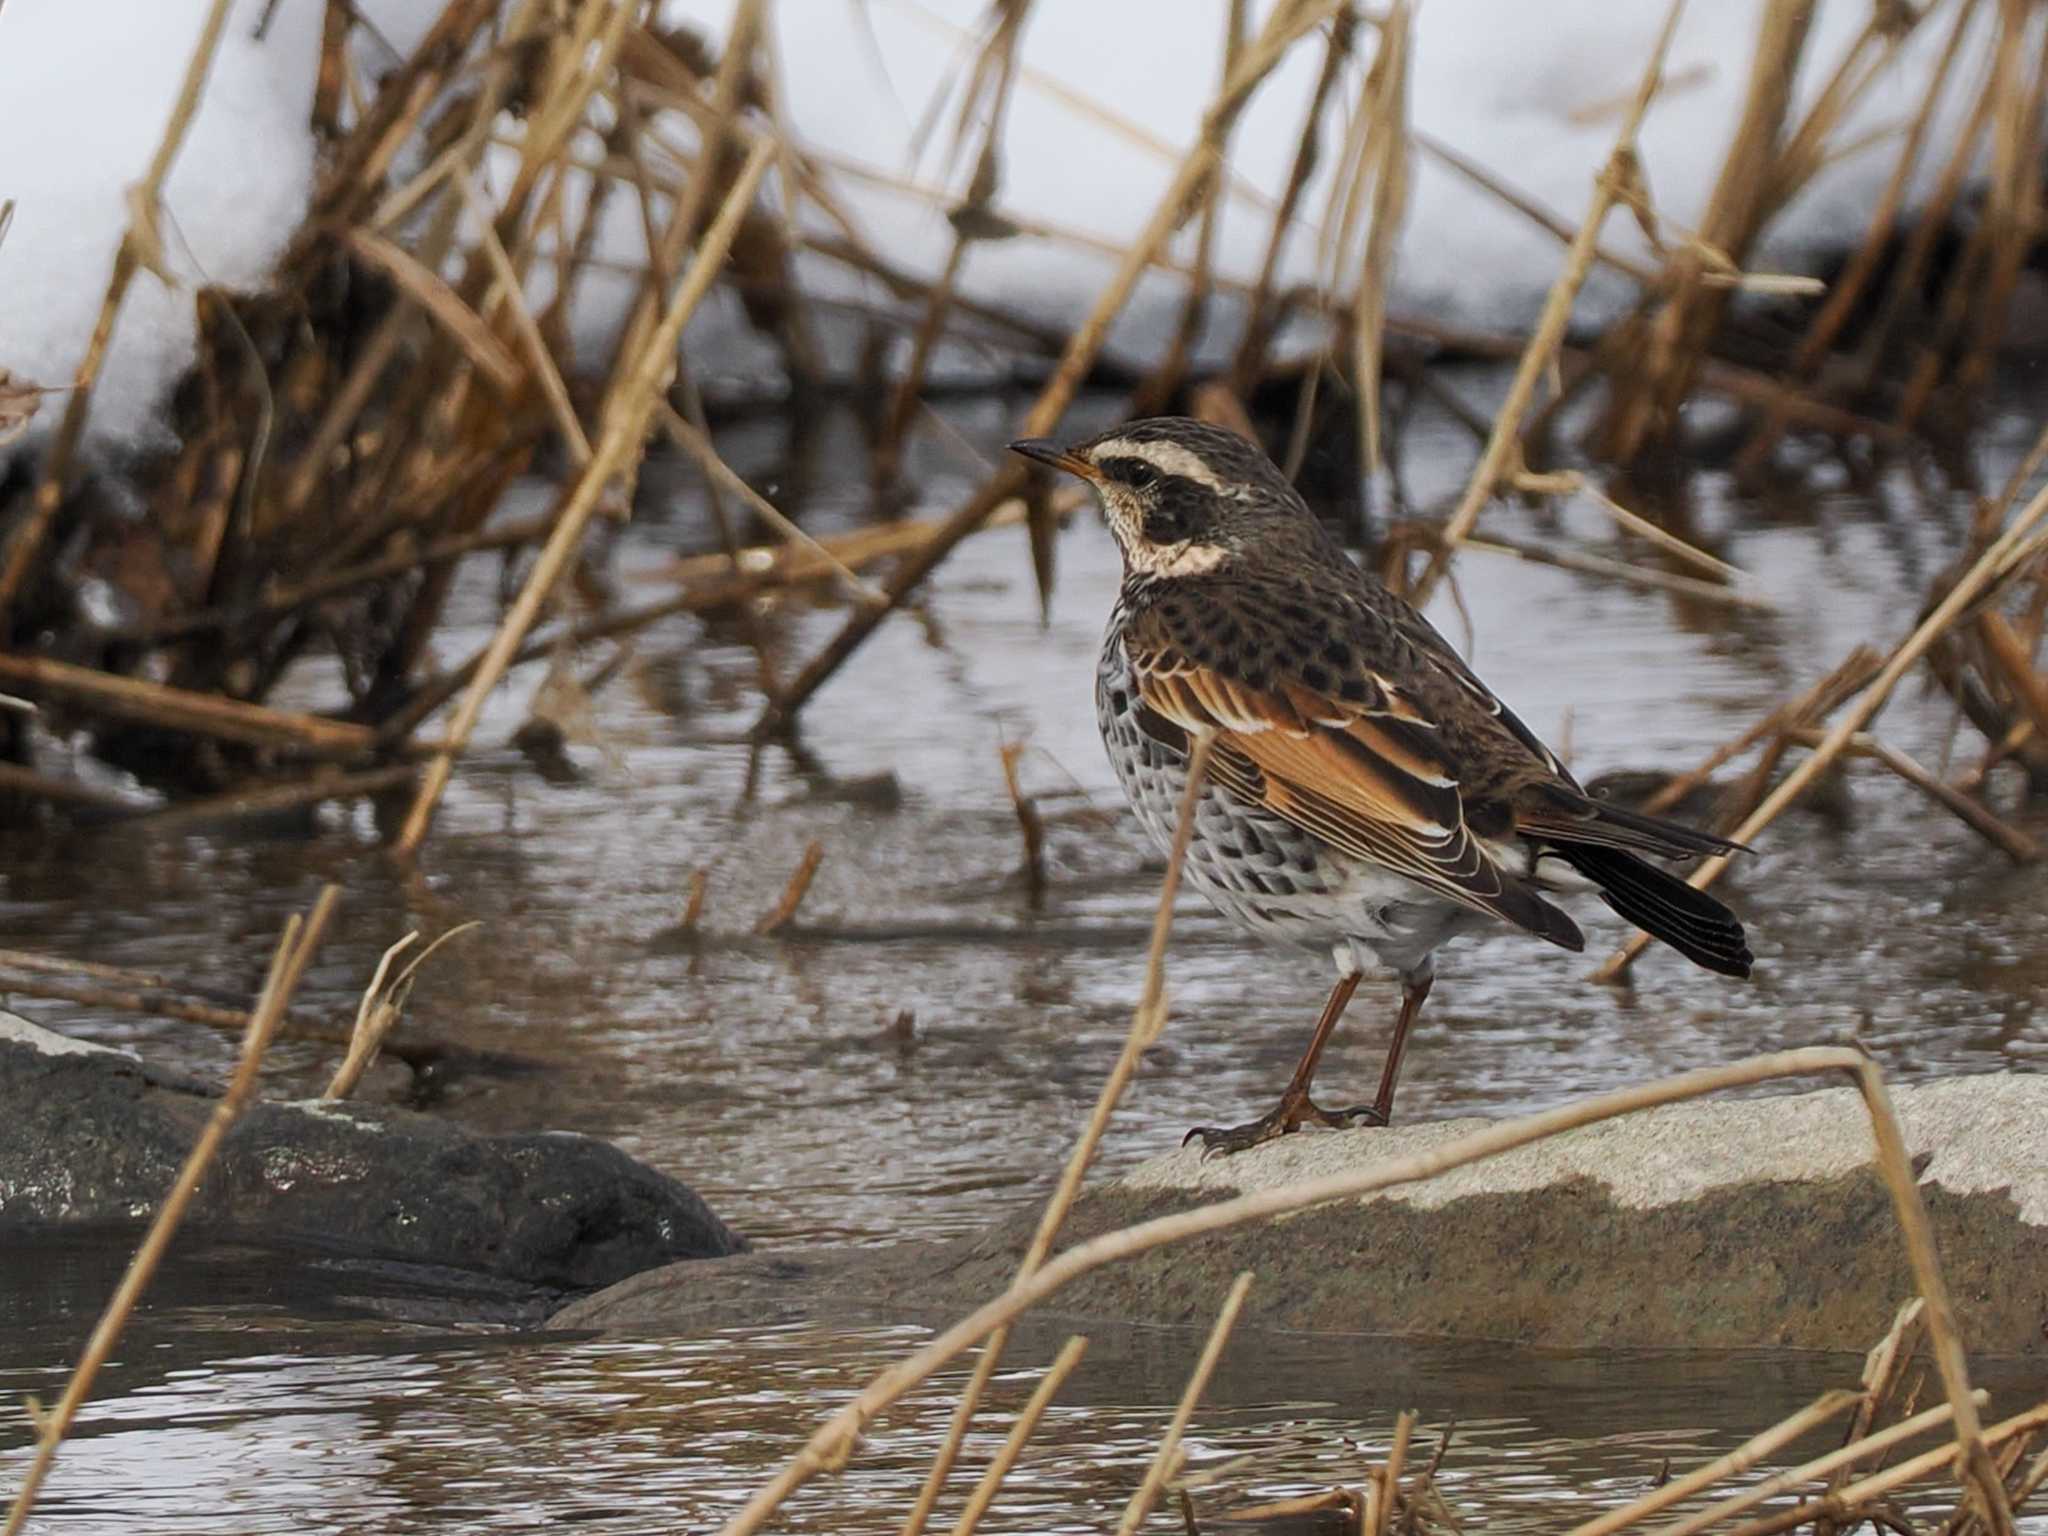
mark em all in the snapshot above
pixel 1829 1405
pixel 793 893
pixel 381 1009
pixel 833 1441
pixel 625 428
pixel 1990 567
pixel 1147 1019
pixel 1550 325
pixel 1198 1383
pixel 1020 1434
pixel 139 247
pixel 295 949
pixel 371 1026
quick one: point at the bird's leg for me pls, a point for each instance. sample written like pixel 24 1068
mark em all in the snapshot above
pixel 1295 1107
pixel 1414 991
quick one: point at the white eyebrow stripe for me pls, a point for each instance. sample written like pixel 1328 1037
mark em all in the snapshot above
pixel 1167 458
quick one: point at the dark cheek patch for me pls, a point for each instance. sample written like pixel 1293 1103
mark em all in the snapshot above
pixel 1175 512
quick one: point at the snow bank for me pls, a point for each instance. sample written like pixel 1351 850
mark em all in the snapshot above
pixel 84 92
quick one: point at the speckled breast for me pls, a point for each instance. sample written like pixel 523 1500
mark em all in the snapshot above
pixel 1265 875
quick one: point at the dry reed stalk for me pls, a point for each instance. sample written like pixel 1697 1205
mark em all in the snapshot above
pixel 1934 216
pixel 728 91
pixel 1815 704
pixel 1849 285
pixel 778 916
pixel 1537 356
pixel 2013 220
pixel 284 600
pixel 995 67
pixel 179 709
pixel 144 1003
pixel 1148 1018
pixel 441 304
pixel 1637 575
pixel 1251 359
pixel 1995 565
pixel 1384 1491
pixel 1385 159
pixel 535 345
pixel 335 22
pixel 16 780
pixel 693 903
pixel 140 247
pixel 271 799
pixel 1830 1465
pixel 1851 1502
pixel 1030 825
pixel 295 950
pixel 1829 1405
pixel 1170 373
pixel 1983 275
pixel 1658 359
pixel 1020 1434
pixel 1287 23
pixel 1169 1450
pixel 1247 189
pixel 697 444
pixel 833 1441
pixel 1572 483
pixel 1521 203
pixel 2002 835
pixel 624 429
pixel 2014 662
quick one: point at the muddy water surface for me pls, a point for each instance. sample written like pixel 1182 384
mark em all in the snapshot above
pixel 914 1054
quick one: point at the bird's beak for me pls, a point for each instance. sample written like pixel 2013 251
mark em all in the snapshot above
pixel 1046 451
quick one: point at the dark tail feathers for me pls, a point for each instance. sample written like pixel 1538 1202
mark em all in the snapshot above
pixel 1562 813
pixel 1661 904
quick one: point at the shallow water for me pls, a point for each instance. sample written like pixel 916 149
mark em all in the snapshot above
pixel 779 1076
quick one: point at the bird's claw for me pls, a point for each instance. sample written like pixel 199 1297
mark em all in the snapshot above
pixel 1284 1120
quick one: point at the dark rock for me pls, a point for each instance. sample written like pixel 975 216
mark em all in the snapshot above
pixel 91 1135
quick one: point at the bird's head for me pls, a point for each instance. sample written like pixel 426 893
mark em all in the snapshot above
pixel 1181 497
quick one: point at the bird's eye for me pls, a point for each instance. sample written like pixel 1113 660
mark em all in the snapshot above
pixel 1141 475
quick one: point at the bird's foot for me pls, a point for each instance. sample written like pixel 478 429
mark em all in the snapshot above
pixel 1364 1115
pixel 1285 1118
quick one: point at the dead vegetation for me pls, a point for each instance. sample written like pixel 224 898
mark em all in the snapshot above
pixel 346 437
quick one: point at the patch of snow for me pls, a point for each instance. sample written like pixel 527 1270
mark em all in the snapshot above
pixel 85 92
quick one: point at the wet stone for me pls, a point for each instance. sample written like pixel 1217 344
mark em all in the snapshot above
pixel 1714 1224
pixel 90 1135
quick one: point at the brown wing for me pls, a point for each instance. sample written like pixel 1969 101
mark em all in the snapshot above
pixel 1363 772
